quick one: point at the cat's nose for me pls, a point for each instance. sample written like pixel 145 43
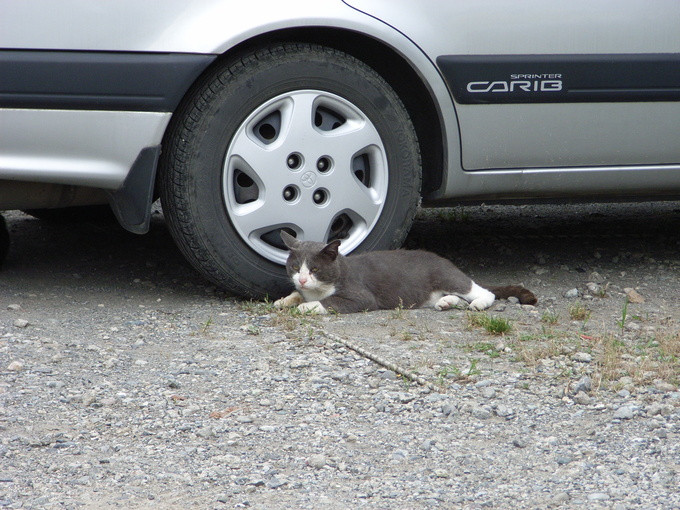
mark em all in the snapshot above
pixel 302 280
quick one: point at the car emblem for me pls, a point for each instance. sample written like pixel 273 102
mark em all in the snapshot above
pixel 308 179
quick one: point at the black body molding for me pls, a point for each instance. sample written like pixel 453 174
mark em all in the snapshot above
pixel 508 79
pixel 96 80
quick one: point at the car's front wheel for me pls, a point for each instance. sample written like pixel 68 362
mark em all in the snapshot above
pixel 299 138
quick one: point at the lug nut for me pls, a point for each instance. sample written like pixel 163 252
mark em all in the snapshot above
pixel 323 164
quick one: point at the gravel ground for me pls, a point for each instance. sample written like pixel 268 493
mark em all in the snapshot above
pixel 126 381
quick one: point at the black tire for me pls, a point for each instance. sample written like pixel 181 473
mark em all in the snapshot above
pixel 203 191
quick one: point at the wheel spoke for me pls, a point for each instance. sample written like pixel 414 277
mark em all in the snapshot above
pixel 261 163
pixel 353 194
pixel 353 139
pixel 297 124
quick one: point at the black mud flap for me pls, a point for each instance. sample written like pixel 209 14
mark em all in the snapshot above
pixel 131 203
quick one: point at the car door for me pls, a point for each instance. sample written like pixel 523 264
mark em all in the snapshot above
pixel 552 84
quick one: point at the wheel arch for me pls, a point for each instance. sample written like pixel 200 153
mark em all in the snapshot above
pixel 385 60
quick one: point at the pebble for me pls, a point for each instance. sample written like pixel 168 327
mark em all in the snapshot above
pixel 633 296
pixel 624 413
pixel 596 277
pixel 582 357
pixel 571 294
pixel 598 496
pixel 15 366
pixel 594 288
pixel 584 384
pixel 489 393
pixel 448 409
pixel 504 411
pixel 299 363
pixel 520 442
pixel 561 498
pixel 481 413
pixel 317 461
pixel 275 483
pixel 658 408
pixel 582 398
pixel 664 386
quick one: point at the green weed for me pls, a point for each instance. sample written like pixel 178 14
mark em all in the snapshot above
pixel 492 324
pixel 624 315
pixel 486 348
pixel 579 312
pixel 550 317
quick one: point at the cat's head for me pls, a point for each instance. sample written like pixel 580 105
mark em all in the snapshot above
pixel 311 266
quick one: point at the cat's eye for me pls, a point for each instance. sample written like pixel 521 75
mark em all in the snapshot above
pixel 296 267
pixel 314 270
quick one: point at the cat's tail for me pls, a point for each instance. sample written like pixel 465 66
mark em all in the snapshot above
pixel 525 296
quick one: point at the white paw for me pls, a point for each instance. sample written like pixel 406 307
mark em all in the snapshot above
pixel 479 297
pixel 312 307
pixel 291 300
pixel 482 303
pixel 446 302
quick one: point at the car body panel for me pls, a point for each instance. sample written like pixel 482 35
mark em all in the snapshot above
pixel 84 148
pixel 525 27
pixel 172 26
pixel 560 138
pixel 201 27
pixel 489 151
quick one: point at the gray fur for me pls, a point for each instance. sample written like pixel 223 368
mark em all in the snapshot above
pixel 378 280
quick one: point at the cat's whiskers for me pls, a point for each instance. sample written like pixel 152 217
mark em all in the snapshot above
pixel 318 293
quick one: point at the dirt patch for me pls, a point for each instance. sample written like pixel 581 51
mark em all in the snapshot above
pixel 127 381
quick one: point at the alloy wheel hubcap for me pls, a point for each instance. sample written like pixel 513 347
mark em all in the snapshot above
pixel 308 162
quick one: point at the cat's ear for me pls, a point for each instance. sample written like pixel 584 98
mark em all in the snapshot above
pixel 289 240
pixel 331 249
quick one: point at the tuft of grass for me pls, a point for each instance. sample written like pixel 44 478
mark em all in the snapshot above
pixel 288 319
pixel 624 316
pixel 669 357
pixel 532 348
pixel 258 307
pixel 452 371
pixel 644 361
pixel 485 348
pixel 550 317
pixel 579 312
pixel 492 324
pixel 398 312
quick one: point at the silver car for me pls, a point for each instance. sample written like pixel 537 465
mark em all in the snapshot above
pixel 330 119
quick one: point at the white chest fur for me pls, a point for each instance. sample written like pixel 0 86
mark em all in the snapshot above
pixel 311 289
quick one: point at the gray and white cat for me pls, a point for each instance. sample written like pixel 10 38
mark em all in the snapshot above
pixel 327 281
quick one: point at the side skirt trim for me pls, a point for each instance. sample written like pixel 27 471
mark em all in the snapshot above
pixel 75 80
